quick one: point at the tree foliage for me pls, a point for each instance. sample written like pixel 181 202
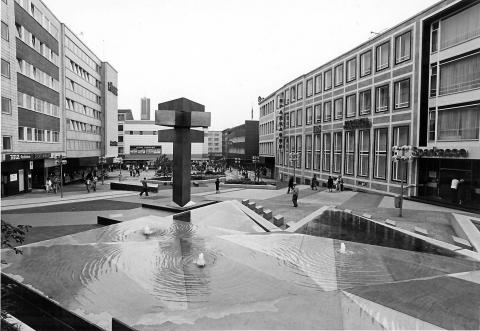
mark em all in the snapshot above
pixel 13 236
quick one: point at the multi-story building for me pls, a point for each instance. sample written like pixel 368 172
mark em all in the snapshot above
pixel 240 142
pixel 214 143
pixel 57 98
pixel 138 141
pixel 415 84
pixel 145 109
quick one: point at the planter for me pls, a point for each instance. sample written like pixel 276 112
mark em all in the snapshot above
pixel 132 187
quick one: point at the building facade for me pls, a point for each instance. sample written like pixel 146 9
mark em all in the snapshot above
pixel 145 109
pixel 240 142
pixel 416 84
pixel 52 98
pixel 214 143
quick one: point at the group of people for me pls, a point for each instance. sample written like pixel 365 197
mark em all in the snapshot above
pixel 91 182
pixel 335 184
pixel 135 169
pixel 52 184
pixel 332 184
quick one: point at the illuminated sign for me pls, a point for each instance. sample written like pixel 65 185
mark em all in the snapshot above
pixel 112 88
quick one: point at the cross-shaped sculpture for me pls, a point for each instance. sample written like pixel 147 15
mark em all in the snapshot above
pixel 181 114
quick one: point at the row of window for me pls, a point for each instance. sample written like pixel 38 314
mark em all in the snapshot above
pixel 266 128
pixel 454 124
pixel 37 135
pixel 36 74
pixel 266 148
pixel 346 108
pixel 28 38
pixel 5 32
pixel 83 73
pixel 141 133
pixel 82 145
pixel 81 54
pixel 339 75
pixel 39 17
pixel 32 103
pixel 266 109
pixel 83 127
pixel 80 90
pixel 82 109
pixel 329 151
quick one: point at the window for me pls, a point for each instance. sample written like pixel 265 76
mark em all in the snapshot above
pixel 457 124
pixel 21 133
pixel 287 96
pixel 402 47
pixel 382 56
pixel 380 161
pixel 433 80
pixel 300 91
pixel 287 120
pixel 434 36
pixel 120 139
pixel 318 152
pixel 339 75
pixel 460 75
pixel 292 150
pixel 308 116
pixel 318 83
pixel 431 124
pixel 299 117
pixel 402 93
pixel 338 108
pixel 400 138
pixel 293 93
pixel 309 87
pixel 327 84
pixel 29 134
pixel 121 150
pixel 287 144
pixel 327 145
pixel 460 27
pixel 365 102
pixel 349 152
pixel 292 119
pixel 351 101
pixel 337 152
pixel 5 68
pixel 5 34
pixel 382 98
pixel 308 150
pixel 7 142
pixel 327 111
pixel 6 106
pixel 351 70
pixel 120 127
pixel 317 109
pixel 365 63
pixel 363 152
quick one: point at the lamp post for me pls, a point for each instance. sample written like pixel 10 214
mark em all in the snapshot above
pixel 102 160
pixel 255 160
pixel 237 163
pixel 60 161
pixel 293 159
pixel 403 155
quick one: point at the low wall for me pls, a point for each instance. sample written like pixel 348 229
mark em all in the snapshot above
pixel 263 187
pixel 199 181
pixel 132 187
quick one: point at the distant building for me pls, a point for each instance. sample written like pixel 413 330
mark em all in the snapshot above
pixel 138 141
pixel 240 142
pixel 214 143
pixel 145 109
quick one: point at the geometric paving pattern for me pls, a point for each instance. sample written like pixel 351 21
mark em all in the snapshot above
pixel 252 279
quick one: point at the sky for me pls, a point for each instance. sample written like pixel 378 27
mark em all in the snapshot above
pixel 223 54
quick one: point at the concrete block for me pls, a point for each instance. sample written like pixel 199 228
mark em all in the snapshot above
pixel 252 205
pixel 462 243
pixel 245 202
pixel 367 216
pixel 259 210
pixel 278 220
pixel 421 231
pixel 348 211
pixel 390 222
pixel 267 214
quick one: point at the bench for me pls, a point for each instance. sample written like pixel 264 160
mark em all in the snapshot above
pixel 278 220
pixel 390 222
pixel 464 243
pixel 267 214
pixel 421 231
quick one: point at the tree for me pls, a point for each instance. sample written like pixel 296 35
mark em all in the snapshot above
pixel 163 165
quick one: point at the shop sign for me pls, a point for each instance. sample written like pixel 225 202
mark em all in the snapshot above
pixel 113 143
pixel 361 123
pixel 317 129
pixel 112 88
pixel 26 156
pixel 13 177
pixel 145 149
pixel 440 152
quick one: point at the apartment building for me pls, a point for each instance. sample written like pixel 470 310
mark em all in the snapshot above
pixel 416 84
pixel 214 143
pixel 57 98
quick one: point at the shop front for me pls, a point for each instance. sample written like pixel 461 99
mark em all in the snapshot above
pixel 23 171
pixel 452 181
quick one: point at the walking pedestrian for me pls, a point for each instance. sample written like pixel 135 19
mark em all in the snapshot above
pixel 454 189
pixel 144 187
pixel 87 184
pixel 330 183
pixel 217 185
pixel 295 196
pixel 314 183
pixel 290 185
pixel 48 185
pixel 94 183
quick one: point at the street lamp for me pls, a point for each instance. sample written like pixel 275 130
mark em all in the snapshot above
pixel 403 155
pixel 293 159
pixel 237 162
pixel 102 160
pixel 60 161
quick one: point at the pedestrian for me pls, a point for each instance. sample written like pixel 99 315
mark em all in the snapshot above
pixel 314 182
pixel 144 187
pixel 295 196
pixel 217 185
pixel 48 185
pixel 55 184
pixel 94 183
pixel 87 184
pixel 340 183
pixel 330 183
pixel 461 191
pixel 290 185
pixel 454 189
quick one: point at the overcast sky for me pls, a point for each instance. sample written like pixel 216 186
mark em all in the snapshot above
pixel 222 53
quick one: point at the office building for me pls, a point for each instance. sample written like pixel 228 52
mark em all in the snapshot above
pixel 240 142
pixel 145 109
pixel 58 99
pixel 214 144
pixel 416 84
